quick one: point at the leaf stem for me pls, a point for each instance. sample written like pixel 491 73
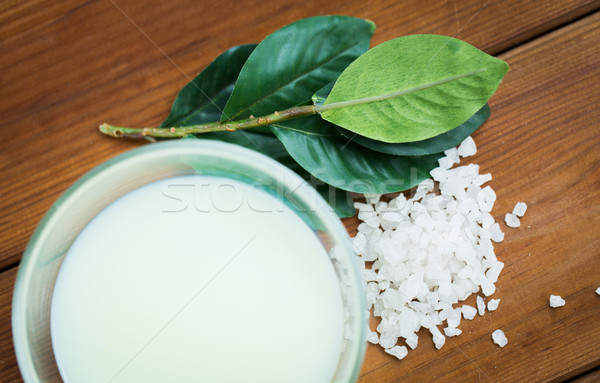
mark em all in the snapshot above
pixel 182 131
pixel 382 97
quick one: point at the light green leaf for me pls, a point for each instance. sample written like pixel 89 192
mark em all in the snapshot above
pixel 339 162
pixel 425 85
pixel 432 145
pixel 292 63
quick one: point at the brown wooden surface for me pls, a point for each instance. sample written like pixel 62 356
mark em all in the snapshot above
pixel 67 66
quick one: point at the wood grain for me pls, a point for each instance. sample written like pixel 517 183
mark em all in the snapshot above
pixel 68 66
pixel 9 372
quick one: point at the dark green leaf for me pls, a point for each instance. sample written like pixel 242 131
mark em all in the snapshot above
pixel 340 200
pixel 203 99
pixel 425 84
pixel 292 63
pixel 337 161
pixel 432 145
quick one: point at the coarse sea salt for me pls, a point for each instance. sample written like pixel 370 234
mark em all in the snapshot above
pixel 512 220
pixel 493 304
pixel 520 209
pixel 480 305
pixel 598 291
pixel 468 312
pixel 556 301
pixel 427 253
pixel 499 338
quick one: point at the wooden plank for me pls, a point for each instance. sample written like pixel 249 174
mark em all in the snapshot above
pixel 591 377
pixel 9 371
pixel 541 146
pixel 69 66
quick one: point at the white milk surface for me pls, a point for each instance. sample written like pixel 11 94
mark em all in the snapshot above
pixel 197 279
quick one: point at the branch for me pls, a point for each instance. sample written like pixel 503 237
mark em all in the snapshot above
pixel 182 131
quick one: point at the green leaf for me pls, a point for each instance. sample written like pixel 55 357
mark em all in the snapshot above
pixel 425 84
pixel 432 145
pixel 340 200
pixel 289 65
pixel 203 99
pixel 339 162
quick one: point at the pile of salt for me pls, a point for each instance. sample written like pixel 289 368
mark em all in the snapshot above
pixel 429 252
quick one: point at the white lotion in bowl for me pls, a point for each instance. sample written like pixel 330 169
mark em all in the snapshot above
pixel 197 279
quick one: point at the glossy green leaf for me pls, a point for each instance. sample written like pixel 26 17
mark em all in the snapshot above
pixel 203 99
pixel 437 83
pixel 289 65
pixel 432 145
pixel 339 162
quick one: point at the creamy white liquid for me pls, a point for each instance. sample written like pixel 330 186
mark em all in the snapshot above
pixel 197 279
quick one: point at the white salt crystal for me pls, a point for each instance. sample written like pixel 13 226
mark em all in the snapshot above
pixel 372 198
pixel 373 221
pixel 392 217
pixel 398 351
pixel 556 301
pixel 452 154
pixel 381 206
pixel 359 242
pixel 409 288
pixel 496 233
pixel 369 275
pixel 468 312
pixel 398 202
pixel 486 198
pixel 372 292
pixel 487 221
pixel 412 340
pixel 439 174
pixel 372 337
pixel 467 147
pixel 387 341
pixel 363 206
pixel 494 271
pixel 364 228
pixel 454 318
pixel 425 186
pixel 445 162
pixel 480 305
pixel 384 285
pixel 598 291
pixel 451 331
pixel 499 338
pixel 512 220
pixel 520 209
pixel 487 287
pixel 438 338
pixel 482 178
pixel 493 304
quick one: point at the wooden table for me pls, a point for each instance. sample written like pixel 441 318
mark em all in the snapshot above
pixel 67 66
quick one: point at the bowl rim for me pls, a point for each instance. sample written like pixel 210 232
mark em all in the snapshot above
pixel 180 148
